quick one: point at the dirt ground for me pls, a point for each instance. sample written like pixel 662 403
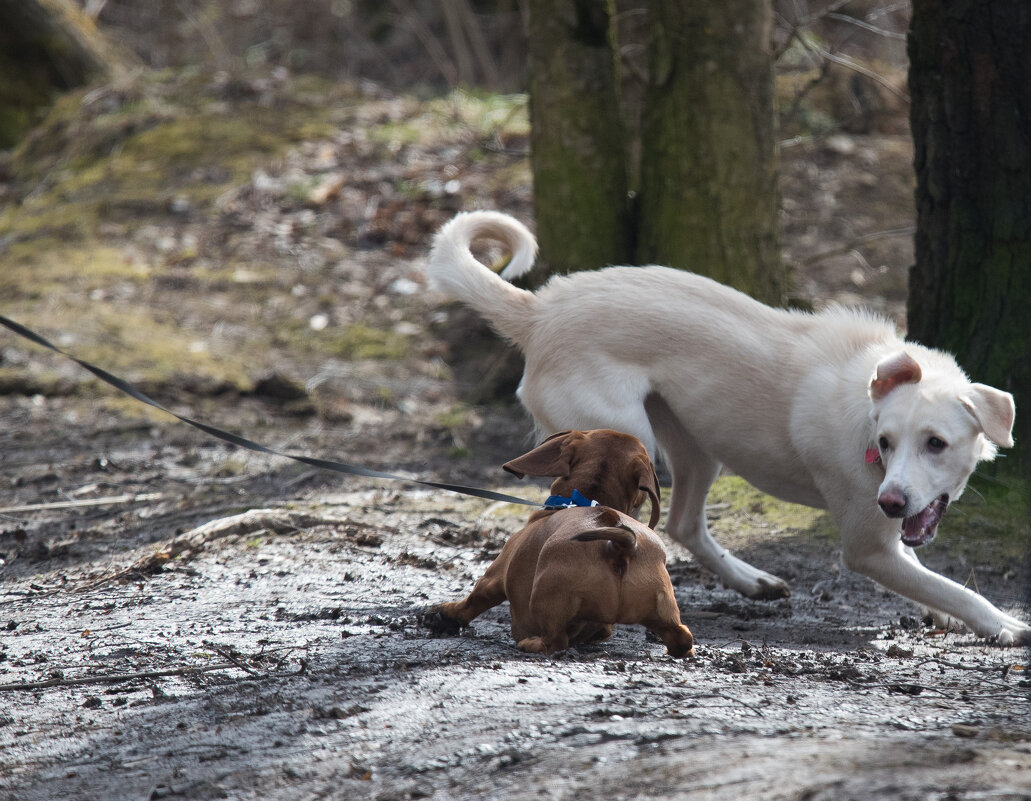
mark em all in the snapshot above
pixel 182 619
pixel 255 635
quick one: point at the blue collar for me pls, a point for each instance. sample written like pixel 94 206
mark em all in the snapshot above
pixel 559 502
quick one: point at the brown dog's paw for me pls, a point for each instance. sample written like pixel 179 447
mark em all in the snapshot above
pixel 681 647
pixel 532 645
pixel 677 638
pixel 440 623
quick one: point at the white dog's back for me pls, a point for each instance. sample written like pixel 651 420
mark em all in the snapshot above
pixel 592 353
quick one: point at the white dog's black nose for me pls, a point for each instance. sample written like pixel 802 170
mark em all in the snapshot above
pixel 892 503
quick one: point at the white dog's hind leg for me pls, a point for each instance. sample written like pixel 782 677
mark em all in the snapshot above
pixel 693 474
pixel 688 526
pixel 559 402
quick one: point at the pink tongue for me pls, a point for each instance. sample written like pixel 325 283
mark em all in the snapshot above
pixel 920 529
pixel 913 532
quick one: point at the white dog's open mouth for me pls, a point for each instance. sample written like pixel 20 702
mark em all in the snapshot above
pixel 921 528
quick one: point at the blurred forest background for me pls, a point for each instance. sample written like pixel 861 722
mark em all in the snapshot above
pixel 413 43
pixel 294 158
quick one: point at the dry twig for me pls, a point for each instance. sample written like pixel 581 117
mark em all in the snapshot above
pixel 109 678
pixel 109 501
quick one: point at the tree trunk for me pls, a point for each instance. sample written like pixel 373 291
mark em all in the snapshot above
pixel 579 169
pixel 46 47
pixel 970 288
pixel 708 198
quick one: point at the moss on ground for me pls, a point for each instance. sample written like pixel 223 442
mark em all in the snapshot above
pixel 108 162
pixel 989 526
pixel 991 523
pixel 364 342
pixel 739 504
pixel 488 117
pixel 97 185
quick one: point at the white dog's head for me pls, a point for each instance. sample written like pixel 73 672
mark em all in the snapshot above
pixel 931 428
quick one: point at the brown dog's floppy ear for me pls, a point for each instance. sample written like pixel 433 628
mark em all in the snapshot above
pixel 545 460
pixel 648 481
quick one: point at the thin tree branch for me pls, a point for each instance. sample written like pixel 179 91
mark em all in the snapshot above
pixel 109 678
pixel 866 26
pixel 855 66
pixel 480 48
pixel 407 15
pixel 111 500
pixel 862 240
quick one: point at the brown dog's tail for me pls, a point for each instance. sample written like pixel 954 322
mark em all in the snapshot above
pixel 623 538
pixel 620 545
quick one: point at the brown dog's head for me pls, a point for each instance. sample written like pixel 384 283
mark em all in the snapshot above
pixel 605 466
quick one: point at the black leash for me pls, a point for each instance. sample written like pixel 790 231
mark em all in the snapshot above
pixel 243 442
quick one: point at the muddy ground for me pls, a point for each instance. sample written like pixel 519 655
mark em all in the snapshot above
pixel 181 619
pixel 253 634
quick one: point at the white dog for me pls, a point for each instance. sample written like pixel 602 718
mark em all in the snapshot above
pixel 832 410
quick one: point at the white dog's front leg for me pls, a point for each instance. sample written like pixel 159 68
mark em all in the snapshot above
pixel 894 568
pixel 941 619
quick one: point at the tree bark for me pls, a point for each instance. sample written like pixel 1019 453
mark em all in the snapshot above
pixel 579 169
pixel 46 47
pixel 708 200
pixel 970 288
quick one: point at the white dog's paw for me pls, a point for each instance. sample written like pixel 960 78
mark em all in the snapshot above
pixel 768 588
pixel 1014 636
pixel 750 581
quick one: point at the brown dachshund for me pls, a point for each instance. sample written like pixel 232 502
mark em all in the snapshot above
pixel 572 572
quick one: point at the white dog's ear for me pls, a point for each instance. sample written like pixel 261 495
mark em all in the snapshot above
pixel 994 411
pixel 893 371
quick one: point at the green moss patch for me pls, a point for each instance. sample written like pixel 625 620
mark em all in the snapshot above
pixel 989 526
pixel 109 162
pixel 141 148
pixel 362 342
pixel 489 117
pixel 741 508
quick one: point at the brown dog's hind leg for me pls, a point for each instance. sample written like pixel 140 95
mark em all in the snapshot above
pixel 552 613
pixel 584 632
pixel 449 618
pixel 666 624
pixel 547 642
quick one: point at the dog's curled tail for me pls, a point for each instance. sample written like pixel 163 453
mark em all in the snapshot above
pixel 622 539
pixel 454 270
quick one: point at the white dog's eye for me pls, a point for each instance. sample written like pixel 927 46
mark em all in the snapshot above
pixel 936 445
pixel 883 444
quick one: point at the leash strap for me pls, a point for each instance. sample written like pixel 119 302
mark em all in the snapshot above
pixel 243 442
